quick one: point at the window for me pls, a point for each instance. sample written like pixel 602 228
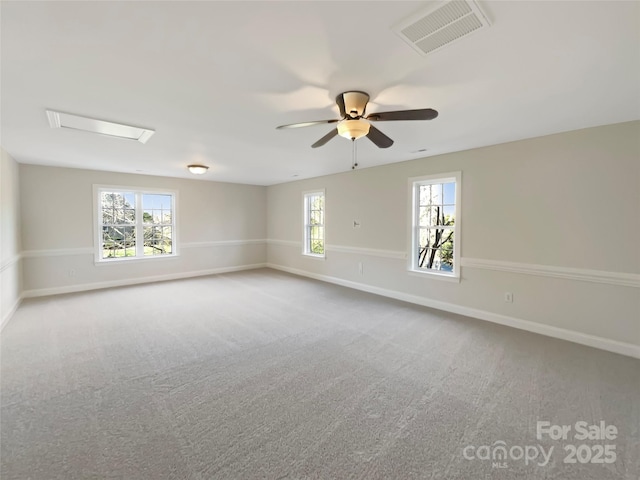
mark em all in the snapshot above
pixel 436 224
pixel 134 223
pixel 314 224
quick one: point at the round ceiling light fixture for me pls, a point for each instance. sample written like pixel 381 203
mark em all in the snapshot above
pixel 198 169
pixel 353 129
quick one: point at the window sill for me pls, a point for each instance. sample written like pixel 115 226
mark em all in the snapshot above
pixel 127 260
pixel 314 256
pixel 447 277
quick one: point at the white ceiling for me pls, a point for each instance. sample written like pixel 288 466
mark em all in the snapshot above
pixel 214 79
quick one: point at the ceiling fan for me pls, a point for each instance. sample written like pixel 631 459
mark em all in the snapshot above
pixel 354 124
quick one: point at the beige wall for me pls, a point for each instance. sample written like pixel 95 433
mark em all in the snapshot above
pixel 221 226
pixel 552 219
pixel 10 266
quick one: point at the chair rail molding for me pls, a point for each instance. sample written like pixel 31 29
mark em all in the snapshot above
pixel 61 252
pixel 581 274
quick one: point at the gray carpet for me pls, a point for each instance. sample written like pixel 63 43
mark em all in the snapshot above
pixel 262 374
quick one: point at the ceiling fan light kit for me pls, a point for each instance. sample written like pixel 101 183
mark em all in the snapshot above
pixel 353 129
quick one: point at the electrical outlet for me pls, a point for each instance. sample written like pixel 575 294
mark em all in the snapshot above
pixel 508 297
pixel 356 224
pixel 72 272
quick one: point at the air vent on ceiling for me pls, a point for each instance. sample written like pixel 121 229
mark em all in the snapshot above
pixel 430 30
pixel 77 122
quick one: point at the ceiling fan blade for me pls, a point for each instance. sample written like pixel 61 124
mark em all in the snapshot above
pixel 420 114
pixel 307 124
pixel 340 102
pixel 326 138
pixel 379 138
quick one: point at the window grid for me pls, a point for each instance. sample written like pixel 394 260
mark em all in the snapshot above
pixel 127 216
pixel 158 226
pixel 314 224
pixel 434 237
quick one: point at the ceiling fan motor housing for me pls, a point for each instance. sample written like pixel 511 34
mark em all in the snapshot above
pixel 355 103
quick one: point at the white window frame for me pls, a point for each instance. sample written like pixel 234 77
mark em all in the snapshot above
pixel 306 240
pixel 139 224
pixel 414 230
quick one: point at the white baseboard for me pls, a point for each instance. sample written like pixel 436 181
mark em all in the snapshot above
pixel 614 346
pixel 135 281
pixel 7 316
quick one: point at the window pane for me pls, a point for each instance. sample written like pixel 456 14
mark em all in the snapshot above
pixel 435 250
pixel 436 194
pixel 118 200
pixel 446 251
pixel 129 237
pixel 158 240
pixel 449 193
pixel 156 201
pixel 148 201
pixel 425 194
pixel 431 216
pixel 166 239
pixel 424 218
pixel 436 259
pixel 118 242
pixel 433 237
pixel 427 257
pixel 317 247
pixel 441 236
pixel 107 200
pixel 316 239
pixel 431 259
pixel 117 208
pixel 157 216
pixel 118 215
pixel 150 234
pixel 123 216
pixel 129 215
pixel 432 194
pixel 107 215
pixel 317 202
pixel 449 214
pixel 436 215
pixel 108 243
pixel 424 237
pixel 315 217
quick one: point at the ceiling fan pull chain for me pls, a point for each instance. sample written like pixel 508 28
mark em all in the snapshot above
pixel 354 161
